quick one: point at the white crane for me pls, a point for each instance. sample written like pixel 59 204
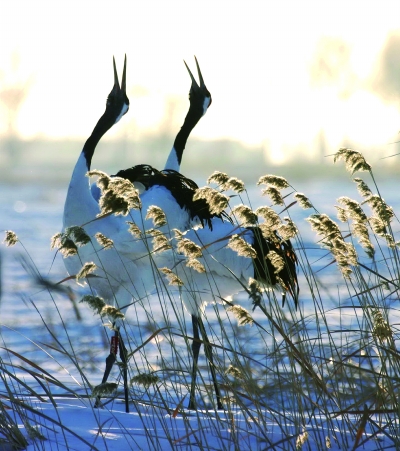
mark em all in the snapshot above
pixel 125 271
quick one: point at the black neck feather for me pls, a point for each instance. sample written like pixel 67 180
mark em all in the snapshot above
pixel 191 119
pixel 101 128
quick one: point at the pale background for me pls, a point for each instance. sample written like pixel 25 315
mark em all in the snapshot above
pixel 293 80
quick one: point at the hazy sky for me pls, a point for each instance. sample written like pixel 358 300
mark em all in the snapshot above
pixel 281 73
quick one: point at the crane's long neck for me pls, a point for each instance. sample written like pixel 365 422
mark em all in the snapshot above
pixel 175 156
pixel 80 206
pixel 91 143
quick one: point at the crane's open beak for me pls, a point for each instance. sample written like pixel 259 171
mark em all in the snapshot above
pixel 194 82
pixel 123 81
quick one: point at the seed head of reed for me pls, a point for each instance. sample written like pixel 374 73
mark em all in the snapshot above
pixel 134 229
pixel 234 184
pixel 10 238
pixel 353 159
pixel 255 292
pixel 106 243
pixel 353 209
pixel 95 303
pixel 269 234
pixel 220 178
pixel 381 328
pixel 194 264
pixel 274 194
pixel 157 215
pixel 87 268
pixel 380 208
pixel 78 234
pixel 225 183
pixel 160 241
pixel 146 380
pixel 301 440
pixel 303 201
pixel 112 312
pixel 67 243
pixel 103 179
pixel 271 218
pixel 342 213
pixel 189 249
pixel 362 187
pixel 277 261
pixel 217 201
pixel 118 195
pixel 104 390
pixel 245 214
pixel 323 225
pixel 241 314
pixel 172 277
pixel 289 230
pixel 360 230
pixel 274 180
pixel 344 253
pixel 243 249
pixel 235 372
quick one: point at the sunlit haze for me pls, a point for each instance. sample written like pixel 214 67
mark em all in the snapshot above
pixel 283 75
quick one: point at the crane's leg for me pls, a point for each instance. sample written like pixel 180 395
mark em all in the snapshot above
pixel 198 324
pixel 116 341
pixel 123 354
pixel 196 345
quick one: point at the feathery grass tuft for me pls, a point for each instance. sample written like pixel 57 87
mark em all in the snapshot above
pixel 277 261
pixel 107 243
pixel 276 181
pixel 243 249
pixel 235 372
pixel 274 194
pixel 344 253
pixel 220 178
pixel 134 229
pixel 160 241
pixel 69 241
pixel 86 269
pixel 255 293
pixel 353 209
pixel 245 214
pixel 118 195
pixel 194 264
pixel 362 187
pixel 106 389
pixel 112 312
pixel 217 201
pixel 303 201
pixel 354 160
pixel 10 238
pixel 226 183
pixel 157 215
pixel 381 328
pixel 189 249
pixel 95 303
pixel 172 277
pixel 271 218
pixel 289 230
pixel 145 379
pixel 241 314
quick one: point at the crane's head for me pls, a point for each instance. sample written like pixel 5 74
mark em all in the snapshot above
pixel 199 95
pixel 117 101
